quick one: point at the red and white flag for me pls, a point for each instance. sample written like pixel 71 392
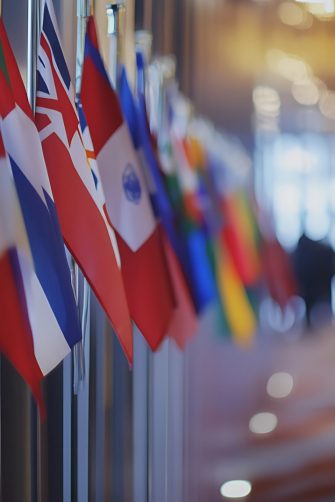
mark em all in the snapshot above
pixel 144 268
pixel 83 222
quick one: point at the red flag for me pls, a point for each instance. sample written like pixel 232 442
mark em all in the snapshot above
pixel 239 237
pixel 83 222
pixel 184 322
pixel 278 271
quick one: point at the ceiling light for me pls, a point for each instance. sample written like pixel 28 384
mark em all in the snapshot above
pixel 291 14
pixel 235 489
pixel 306 91
pixel 263 423
pixel 327 104
pixel 288 66
pixel 323 9
pixel 266 101
pixel 280 385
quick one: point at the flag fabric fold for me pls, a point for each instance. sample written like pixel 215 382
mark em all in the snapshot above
pixel 144 268
pixel 82 218
pixel 16 339
pixel 236 305
pixel 50 301
pixel 184 321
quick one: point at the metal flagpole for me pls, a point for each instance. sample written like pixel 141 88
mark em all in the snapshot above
pixel 34 16
pixel 121 376
pixel 116 12
pixel 83 13
pixel 82 354
pixel 143 374
pixel 0 373
pixel 81 287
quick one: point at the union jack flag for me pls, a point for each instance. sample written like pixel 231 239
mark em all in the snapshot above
pixel 85 229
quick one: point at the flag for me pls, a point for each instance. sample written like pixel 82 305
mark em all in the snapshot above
pixel 16 340
pixel 82 218
pixel 239 236
pixel 237 308
pixel 50 300
pixel 278 271
pixel 184 320
pixel 144 268
pixel 194 234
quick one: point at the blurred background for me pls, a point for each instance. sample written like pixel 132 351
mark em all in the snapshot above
pixel 218 420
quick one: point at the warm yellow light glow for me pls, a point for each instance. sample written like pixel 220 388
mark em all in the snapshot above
pixel 306 91
pixel 310 2
pixel 292 14
pixel 263 423
pixel 287 65
pixel 323 9
pixel 280 385
pixel 266 101
pixel 236 489
pixel 327 104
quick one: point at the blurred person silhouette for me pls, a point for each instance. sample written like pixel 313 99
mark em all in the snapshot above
pixel 313 263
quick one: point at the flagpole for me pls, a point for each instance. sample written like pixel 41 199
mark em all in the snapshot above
pixel 116 12
pixel 0 369
pixel 83 13
pixel 34 7
pixel 145 359
pixel 122 393
pixel 34 11
pixel 79 370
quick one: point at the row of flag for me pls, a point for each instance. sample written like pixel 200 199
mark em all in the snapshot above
pixel 156 244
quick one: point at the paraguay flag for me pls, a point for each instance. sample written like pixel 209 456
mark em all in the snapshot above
pixel 144 267
pixel 51 305
pixel 82 218
pixel 184 321
pixel 16 341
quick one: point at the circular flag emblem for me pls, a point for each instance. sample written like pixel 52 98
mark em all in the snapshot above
pixel 131 184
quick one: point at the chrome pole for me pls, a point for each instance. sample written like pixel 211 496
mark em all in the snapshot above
pixel 116 13
pixel 34 16
pixel 83 13
pixel 143 42
pixel 122 378
pixel 144 366
pixel 34 13
pixel 81 287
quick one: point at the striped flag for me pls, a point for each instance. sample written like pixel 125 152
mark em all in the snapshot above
pixel 240 237
pixel 82 218
pixel 144 267
pixel 236 305
pixel 16 341
pixel 50 301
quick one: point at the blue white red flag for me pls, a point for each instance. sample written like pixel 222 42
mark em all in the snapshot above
pixel 16 339
pixel 50 301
